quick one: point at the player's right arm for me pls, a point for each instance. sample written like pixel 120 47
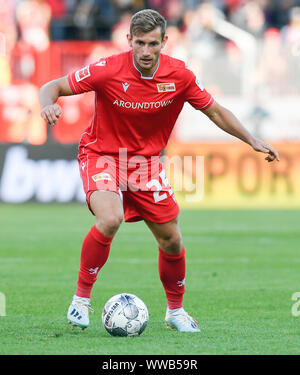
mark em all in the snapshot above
pixel 49 93
pixel 88 78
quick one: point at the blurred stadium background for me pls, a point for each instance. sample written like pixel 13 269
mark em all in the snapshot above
pixel 246 53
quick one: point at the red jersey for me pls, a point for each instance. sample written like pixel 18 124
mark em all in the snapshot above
pixel 132 111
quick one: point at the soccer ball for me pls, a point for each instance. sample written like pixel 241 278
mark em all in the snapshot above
pixel 125 315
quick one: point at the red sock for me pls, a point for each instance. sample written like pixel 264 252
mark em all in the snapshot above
pixel 94 254
pixel 171 269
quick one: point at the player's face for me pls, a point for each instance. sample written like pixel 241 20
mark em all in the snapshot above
pixel 146 49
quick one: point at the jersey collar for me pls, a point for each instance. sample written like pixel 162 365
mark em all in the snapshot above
pixel 136 70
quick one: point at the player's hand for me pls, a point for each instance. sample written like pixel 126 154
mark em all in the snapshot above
pixel 261 146
pixel 51 113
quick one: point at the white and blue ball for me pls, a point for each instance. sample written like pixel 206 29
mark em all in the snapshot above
pixel 125 315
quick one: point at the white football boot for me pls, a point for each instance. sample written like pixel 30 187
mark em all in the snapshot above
pixel 78 313
pixel 181 321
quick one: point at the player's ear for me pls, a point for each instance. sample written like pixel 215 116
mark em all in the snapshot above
pixel 164 41
pixel 129 38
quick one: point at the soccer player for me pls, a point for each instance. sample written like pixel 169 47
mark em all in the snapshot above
pixel 138 97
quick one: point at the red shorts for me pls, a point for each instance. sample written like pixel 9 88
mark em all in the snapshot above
pixel 142 185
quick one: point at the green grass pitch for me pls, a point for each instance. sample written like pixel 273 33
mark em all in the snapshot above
pixel 242 270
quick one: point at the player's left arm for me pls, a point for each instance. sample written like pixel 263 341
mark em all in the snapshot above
pixel 228 122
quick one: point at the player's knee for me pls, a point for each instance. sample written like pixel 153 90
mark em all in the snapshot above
pixel 171 244
pixel 109 224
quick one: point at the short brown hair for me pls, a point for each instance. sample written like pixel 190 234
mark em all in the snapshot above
pixel 147 20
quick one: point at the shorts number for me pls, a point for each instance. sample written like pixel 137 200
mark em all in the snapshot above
pixel 159 195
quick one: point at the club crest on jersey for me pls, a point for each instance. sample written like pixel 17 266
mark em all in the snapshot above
pixel 82 73
pixel 101 176
pixel 166 87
